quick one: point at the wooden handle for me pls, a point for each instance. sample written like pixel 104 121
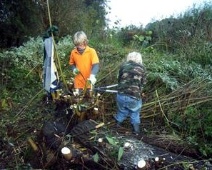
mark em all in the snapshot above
pixel 99 125
pixel 32 144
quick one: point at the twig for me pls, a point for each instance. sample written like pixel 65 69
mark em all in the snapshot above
pixel 161 108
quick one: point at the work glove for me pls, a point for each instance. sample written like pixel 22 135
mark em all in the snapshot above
pixel 92 79
pixel 76 71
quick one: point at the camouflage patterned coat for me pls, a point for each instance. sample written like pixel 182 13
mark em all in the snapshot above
pixel 131 78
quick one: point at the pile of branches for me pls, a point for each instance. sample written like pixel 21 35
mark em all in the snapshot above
pixel 191 94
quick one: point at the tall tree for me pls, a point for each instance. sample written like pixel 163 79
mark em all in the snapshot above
pixel 17 20
pixel 73 15
pixel 23 18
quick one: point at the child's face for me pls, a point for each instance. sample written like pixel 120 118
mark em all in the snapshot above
pixel 81 46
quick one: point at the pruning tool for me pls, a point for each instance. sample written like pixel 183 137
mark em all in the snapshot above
pixel 106 88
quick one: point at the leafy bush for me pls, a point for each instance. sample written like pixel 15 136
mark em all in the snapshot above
pixel 169 72
pixel 188 35
pixel 195 124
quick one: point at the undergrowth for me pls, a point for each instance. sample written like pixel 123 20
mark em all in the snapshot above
pixel 183 90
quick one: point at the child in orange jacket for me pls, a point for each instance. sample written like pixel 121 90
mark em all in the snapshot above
pixel 84 62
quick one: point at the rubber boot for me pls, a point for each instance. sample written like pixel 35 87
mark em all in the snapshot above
pixel 136 129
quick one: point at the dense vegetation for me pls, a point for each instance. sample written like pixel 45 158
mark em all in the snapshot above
pixel 176 53
pixel 21 19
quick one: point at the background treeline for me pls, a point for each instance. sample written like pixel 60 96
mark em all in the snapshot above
pixel 176 52
pixel 29 18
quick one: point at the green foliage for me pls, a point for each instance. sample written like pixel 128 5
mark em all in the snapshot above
pixel 177 58
pixel 120 153
pixel 17 20
pixel 198 51
pixel 112 141
pixel 190 113
pixel 196 127
pixel 64 47
pixel 142 40
pixel 188 35
pixel 22 67
pixel 24 18
pixel 117 149
pixel 96 157
pixel 135 37
pixel 169 72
